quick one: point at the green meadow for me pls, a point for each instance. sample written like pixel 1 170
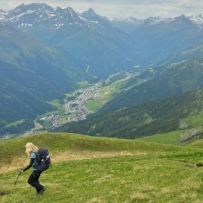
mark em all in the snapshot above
pixel 103 170
pixel 104 94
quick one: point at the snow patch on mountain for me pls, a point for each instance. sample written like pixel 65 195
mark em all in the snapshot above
pixel 17 17
pixel 28 12
pixel 2 15
pixel 148 21
pixel 36 14
pixel 197 19
pixel 58 25
pixel 158 20
pixel 82 18
pixel 24 25
pixel 134 20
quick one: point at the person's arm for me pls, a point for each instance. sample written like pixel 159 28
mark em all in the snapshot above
pixel 29 166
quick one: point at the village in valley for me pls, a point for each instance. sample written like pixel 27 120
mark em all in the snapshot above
pixel 74 106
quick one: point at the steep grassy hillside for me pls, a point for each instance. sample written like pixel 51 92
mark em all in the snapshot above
pixel 191 137
pixel 61 142
pixel 145 173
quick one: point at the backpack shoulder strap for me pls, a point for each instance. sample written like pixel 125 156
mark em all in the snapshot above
pixel 34 155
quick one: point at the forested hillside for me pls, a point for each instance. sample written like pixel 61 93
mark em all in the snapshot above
pixel 145 119
pixel 31 74
pixel 164 81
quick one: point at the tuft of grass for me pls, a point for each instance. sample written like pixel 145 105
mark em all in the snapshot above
pixel 139 196
pixel 197 144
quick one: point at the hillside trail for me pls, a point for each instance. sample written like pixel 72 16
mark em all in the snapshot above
pixel 69 156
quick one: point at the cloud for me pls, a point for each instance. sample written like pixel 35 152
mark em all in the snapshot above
pixel 122 8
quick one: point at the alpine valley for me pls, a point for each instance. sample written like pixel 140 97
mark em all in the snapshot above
pixel 61 70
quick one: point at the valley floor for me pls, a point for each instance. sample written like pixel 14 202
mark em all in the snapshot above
pixel 78 104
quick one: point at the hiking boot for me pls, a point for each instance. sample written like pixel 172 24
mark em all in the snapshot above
pixel 41 191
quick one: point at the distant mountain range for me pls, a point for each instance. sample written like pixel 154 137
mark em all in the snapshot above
pixel 102 46
pixel 45 51
pixel 132 22
pixel 91 42
pixel 156 38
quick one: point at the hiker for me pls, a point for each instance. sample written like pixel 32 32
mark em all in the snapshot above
pixel 33 153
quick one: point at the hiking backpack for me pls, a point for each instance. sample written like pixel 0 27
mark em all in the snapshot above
pixel 43 159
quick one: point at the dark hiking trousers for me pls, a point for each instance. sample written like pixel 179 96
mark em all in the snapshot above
pixel 33 180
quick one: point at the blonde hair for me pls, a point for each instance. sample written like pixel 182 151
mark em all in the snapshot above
pixel 30 147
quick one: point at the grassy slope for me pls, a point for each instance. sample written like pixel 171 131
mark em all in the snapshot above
pixel 195 121
pixel 191 137
pixel 173 137
pixel 60 142
pixel 158 173
pixel 197 144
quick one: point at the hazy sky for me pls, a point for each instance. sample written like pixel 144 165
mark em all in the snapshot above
pixel 122 8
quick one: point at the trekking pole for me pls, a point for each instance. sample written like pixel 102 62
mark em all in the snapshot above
pixel 20 171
